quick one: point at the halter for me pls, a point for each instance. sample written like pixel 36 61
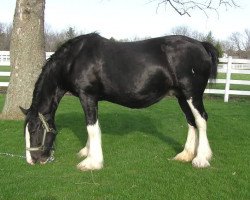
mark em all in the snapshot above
pixel 46 130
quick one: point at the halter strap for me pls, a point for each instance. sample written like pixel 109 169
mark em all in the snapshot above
pixel 45 131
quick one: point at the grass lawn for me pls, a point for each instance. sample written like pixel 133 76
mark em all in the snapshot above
pixel 232 86
pixel 4 69
pixel 137 145
pixel 4 79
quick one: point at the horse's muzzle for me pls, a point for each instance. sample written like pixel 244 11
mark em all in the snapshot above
pixel 42 159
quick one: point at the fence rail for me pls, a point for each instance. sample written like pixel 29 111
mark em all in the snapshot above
pixel 227 66
pixel 5 57
pixel 231 66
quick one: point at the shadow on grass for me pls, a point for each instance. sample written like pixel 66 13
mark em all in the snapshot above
pixel 115 124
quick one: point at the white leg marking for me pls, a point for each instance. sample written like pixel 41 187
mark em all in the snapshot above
pixel 204 152
pixel 94 160
pixel 189 151
pixel 84 151
pixel 27 141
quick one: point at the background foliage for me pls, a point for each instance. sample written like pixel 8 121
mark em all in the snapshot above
pixel 237 45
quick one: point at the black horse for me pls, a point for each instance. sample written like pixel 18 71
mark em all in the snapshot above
pixel 132 74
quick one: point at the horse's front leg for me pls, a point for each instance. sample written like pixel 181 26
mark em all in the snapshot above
pixel 93 148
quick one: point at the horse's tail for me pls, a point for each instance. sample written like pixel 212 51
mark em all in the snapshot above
pixel 214 55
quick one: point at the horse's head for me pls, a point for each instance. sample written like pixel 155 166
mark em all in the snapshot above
pixel 39 137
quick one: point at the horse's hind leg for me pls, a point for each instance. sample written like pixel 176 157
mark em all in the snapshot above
pixel 190 148
pixel 93 149
pixel 204 152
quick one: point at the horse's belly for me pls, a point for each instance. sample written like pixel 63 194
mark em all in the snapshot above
pixel 138 90
pixel 136 100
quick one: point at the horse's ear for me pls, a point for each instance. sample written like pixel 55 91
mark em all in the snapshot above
pixel 24 111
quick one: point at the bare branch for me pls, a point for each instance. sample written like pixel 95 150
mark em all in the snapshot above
pixel 184 7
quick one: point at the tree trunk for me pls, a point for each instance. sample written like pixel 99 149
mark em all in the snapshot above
pixel 27 55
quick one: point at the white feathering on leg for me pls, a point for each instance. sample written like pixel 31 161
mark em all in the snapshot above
pixel 94 160
pixel 204 152
pixel 190 148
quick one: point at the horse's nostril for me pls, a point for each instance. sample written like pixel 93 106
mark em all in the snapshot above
pixel 34 159
pixel 43 162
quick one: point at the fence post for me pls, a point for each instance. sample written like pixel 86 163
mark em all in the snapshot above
pixel 228 78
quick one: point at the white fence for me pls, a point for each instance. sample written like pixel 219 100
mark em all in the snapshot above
pixel 228 66
pixel 5 57
pixel 231 66
pixel 5 61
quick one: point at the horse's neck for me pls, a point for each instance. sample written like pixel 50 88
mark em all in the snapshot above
pixel 48 98
pixel 50 102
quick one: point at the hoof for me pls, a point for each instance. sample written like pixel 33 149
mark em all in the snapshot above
pixel 90 164
pixel 83 152
pixel 184 156
pixel 200 162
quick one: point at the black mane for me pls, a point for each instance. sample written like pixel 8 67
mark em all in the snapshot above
pixel 62 58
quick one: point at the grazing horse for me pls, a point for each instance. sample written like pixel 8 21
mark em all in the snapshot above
pixel 132 74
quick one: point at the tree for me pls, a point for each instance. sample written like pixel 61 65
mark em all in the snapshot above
pixel 54 39
pixel 5 31
pixel 50 38
pixel 27 55
pixel 239 44
pixel 219 48
pixel 246 44
pixel 210 38
pixel 185 30
pixel 184 7
pixel 70 33
pixel 236 40
pixel 2 36
pixel 182 30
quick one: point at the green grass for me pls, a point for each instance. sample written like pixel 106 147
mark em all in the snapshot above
pixel 4 69
pixel 235 76
pixel 232 86
pixel 137 145
pixel 4 79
